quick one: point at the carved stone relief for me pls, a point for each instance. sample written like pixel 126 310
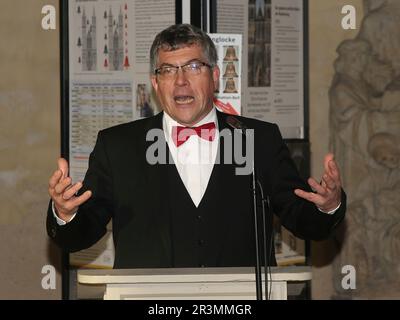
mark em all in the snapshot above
pixel 365 137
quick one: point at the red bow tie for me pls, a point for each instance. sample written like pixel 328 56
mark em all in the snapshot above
pixel 181 134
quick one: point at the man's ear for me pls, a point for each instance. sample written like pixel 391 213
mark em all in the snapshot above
pixel 215 74
pixel 154 82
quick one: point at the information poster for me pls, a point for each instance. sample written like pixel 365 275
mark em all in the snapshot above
pixel 273 76
pixel 228 95
pixel 109 44
pixel 272 79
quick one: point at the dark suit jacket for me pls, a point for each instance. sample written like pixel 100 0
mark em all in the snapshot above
pixel 134 194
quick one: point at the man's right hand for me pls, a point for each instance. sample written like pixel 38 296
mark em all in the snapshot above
pixel 63 193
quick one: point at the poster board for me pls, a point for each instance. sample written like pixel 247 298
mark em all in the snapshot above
pixel 274 82
pixel 108 84
pixel 273 59
pixel 109 43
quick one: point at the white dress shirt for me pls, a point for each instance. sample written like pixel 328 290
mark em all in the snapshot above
pixel 195 158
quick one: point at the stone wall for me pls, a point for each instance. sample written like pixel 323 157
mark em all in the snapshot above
pixel 29 147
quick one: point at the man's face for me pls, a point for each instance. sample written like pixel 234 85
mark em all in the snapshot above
pixel 186 98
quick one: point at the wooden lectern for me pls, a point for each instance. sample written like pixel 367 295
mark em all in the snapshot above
pixel 191 283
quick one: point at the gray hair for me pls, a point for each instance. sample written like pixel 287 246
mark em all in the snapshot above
pixel 179 36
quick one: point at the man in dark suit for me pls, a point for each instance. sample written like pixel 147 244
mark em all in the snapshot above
pixel 194 211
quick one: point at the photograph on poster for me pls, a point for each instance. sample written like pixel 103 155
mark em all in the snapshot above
pixel 228 96
pixel 259 43
pixel 116 39
pixel 101 33
pixel 230 86
pixel 272 75
pixel 143 104
pixel 86 42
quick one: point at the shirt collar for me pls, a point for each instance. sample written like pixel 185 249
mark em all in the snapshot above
pixel 168 122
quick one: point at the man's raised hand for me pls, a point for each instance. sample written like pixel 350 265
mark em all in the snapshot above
pixel 63 192
pixel 327 194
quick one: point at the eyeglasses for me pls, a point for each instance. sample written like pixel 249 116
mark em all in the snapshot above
pixel 192 68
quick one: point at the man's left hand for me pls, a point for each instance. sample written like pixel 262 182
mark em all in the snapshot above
pixel 327 194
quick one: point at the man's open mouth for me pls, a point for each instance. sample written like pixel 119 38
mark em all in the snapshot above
pixel 183 99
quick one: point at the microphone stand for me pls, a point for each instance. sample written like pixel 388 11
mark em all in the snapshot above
pixel 236 124
pixel 256 237
pixel 264 201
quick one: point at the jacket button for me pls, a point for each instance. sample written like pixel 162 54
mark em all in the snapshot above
pixel 53 232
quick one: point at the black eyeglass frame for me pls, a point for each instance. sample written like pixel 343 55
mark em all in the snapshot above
pixel 201 63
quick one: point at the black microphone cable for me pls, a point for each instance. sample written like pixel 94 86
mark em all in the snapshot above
pixel 267 253
pixel 237 124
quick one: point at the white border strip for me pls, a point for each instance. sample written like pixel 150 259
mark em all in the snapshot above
pixel 186 11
